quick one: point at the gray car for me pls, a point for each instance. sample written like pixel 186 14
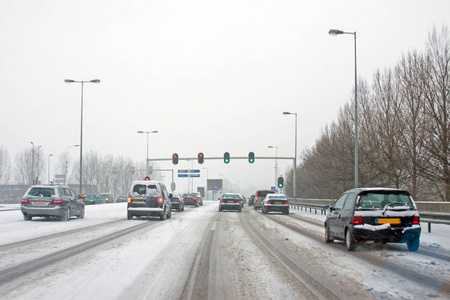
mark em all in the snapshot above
pixel 50 201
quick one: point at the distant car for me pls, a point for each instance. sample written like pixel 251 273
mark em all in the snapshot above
pixel 275 203
pixel 107 198
pixel 374 214
pixel 92 199
pixel 121 199
pixel 259 197
pixel 149 198
pixel 230 201
pixel 51 201
pixel 192 199
pixel 251 200
pixel 177 202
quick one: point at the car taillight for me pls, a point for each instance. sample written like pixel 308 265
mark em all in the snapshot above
pixel 238 201
pixel 160 201
pixel 221 201
pixel 177 200
pixel 416 220
pixel 194 198
pixel 25 201
pixel 57 202
pixel 356 220
pixel 129 200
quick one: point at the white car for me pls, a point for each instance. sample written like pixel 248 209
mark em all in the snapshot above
pixel 275 202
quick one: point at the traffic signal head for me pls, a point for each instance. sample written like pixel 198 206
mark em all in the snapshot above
pixel 226 157
pixel 201 158
pixel 280 182
pixel 175 158
pixel 147 178
pixel 251 157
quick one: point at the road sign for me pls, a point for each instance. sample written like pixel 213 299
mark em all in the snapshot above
pixel 182 171
pixel 186 175
pixel 216 187
pixel 194 171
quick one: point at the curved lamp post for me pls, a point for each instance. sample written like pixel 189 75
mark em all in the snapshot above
pixel 335 32
pixel 295 156
pixel 147 132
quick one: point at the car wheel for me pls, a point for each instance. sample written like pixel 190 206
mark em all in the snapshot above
pixel 220 208
pixel 129 216
pixel 169 215
pixel 287 212
pixel 66 215
pixel 413 244
pixel 240 209
pixel 350 243
pixel 27 217
pixel 328 238
pixel 163 216
pixel 196 205
pixel 81 215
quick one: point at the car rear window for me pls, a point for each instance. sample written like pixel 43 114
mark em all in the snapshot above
pixel 379 200
pixel 45 192
pixel 277 197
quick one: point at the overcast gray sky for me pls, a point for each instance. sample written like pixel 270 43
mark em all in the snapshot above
pixel 211 76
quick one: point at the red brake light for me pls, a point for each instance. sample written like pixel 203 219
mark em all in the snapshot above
pixel 356 220
pixel 238 201
pixel 25 201
pixel 177 200
pixel 193 198
pixel 160 201
pixel 221 201
pixel 416 220
pixel 57 202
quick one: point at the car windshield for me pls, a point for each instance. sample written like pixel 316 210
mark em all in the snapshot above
pixel 42 192
pixel 381 200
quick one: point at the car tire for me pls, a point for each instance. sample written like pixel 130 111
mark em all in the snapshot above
pixel 240 209
pixel 129 216
pixel 350 243
pixel 196 205
pixel 27 217
pixel 328 238
pixel 163 216
pixel 169 215
pixel 66 215
pixel 220 208
pixel 413 244
pixel 287 212
pixel 81 215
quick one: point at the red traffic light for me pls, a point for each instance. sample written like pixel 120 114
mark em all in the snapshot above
pixel 175 158
pixel 147 178
pixel 201 158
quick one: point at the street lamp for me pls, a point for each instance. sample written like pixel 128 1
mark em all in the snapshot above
pixel 67 162
pixel 335 32
pixel 81 128
pixel 295 156
pixel 276 163
pixel 147 132
pixel 32 164
pixel 49 168
pixel 37 165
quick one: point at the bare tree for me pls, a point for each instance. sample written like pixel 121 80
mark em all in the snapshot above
pixel 5 165
pixel 435 86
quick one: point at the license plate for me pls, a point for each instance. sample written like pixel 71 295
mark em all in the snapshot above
pixel 139 201
pixel 388 220
pixel 278 202
pixel 40 202
pixel 230 201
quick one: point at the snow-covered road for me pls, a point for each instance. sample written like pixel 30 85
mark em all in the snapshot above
pixel 205 254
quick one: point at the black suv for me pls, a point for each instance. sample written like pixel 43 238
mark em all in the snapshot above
pixel 374 214
pixel 149 198
pixel 51 202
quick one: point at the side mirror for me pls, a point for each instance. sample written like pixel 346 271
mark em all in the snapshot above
pixel 327 207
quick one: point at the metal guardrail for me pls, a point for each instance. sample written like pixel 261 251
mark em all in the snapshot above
pixel 425 216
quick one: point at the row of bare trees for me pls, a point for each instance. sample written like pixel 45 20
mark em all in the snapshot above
pixel 404 133
pixel 101 174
